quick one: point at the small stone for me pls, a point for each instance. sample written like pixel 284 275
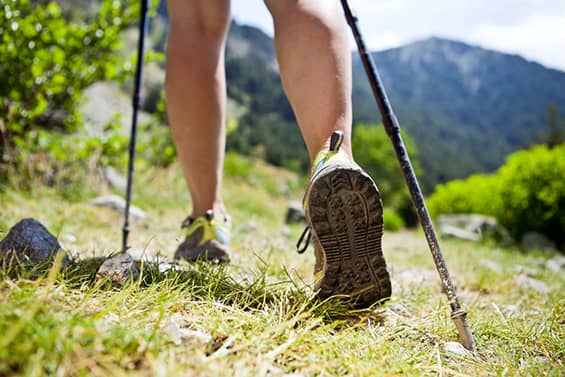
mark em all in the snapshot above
pixel 114 178
pixel 249 227
pixel 455 348
pixel 511 310
pixel 537 241
pixel 69 238
pixel 29 241
pixel 119 269
pixel 527 282
pixel 400 310
pixel 555 264
pixel 118 204
pixel 178 334
pixel 490 265
pixel 286 232
pixel 295 213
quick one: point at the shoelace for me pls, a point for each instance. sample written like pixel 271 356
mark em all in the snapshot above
pixel 304 240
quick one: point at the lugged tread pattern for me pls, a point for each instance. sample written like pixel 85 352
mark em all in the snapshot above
pixel 345 212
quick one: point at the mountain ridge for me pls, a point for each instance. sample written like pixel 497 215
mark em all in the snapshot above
pixel 466 106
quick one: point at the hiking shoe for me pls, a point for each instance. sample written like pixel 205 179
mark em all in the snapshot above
pixel 207 239
pixel 344 214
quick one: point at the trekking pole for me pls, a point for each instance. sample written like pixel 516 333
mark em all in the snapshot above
pixel 392 128
pixel 143 27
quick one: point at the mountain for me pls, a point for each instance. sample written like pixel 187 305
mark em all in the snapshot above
pixel 465 106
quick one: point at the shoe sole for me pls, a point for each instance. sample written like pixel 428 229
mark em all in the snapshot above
pixel 344 209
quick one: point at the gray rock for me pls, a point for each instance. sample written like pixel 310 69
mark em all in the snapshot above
pixel 455 348
pixel 490 265
pixel 114 178
pixel 400 310
pixel 29 241
pixel 448 231
pixel 119 269
pixel 473 227
pixel 286 232
pixel 556 263
pixel 295 213
pixel 118 204
pixel 537 241
pixel 249 227
pixel 527 282
pixel 101 102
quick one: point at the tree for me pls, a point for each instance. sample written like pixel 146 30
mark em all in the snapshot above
pixel 374 152
pixel 555 134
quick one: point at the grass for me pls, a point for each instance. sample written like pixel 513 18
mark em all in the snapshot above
pixel 257 316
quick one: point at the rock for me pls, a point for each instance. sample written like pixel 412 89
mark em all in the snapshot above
pixel 29 241
pixel 119 269
pixel 473 227
pixel 527 282
pixel 118 204
pixel 286 232
pixel 455 348
pixel 556 264
pixel 511 310
pixel 536 241
pixel 415 276
pixel 295 213
pixel 178 334
pixel 248 227
pixel 448 231
pixel 400 310
pixel 101 102
pixel 490 265
pixel 114 178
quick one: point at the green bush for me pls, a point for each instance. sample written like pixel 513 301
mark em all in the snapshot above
pixel 47 60
pixel 532 192
pixel 392 220
pixel 374 152
pixel 527 194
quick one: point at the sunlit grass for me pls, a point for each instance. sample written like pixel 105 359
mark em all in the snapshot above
pixel 257 316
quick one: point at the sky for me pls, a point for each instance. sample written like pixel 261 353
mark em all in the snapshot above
pixel 534 29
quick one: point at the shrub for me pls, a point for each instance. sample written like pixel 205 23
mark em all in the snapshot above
pixel 392 220
pixel 527 194
pixel 46 61
pixel 374 152
pixel 532 191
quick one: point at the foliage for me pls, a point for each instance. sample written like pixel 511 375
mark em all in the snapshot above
pixel 47 61
pixel 527 194
pixel 555 133
pixel 373 150
pixel 392 220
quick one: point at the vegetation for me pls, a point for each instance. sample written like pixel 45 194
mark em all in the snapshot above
pixel 46 62
pixel 527 194
pixel 257 316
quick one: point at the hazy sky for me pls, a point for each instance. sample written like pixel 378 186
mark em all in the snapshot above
pixel 534 29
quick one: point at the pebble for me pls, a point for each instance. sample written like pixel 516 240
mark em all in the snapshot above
pixel 455 348
pixel 527 282
pixel 118 204
pixel 119 269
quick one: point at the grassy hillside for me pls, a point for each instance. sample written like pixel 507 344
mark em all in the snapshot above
pixel 256 317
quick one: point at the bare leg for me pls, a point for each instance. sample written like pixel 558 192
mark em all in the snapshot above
pixel 196 95
pixel 315 66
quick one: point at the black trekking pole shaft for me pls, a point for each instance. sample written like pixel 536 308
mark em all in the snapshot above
pixel 143 26
pixel 392 128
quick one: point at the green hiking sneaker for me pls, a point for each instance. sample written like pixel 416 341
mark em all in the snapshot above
pixel 207 239
pixel 344 214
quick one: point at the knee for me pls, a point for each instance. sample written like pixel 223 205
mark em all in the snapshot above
pixel 204 23
pixel 324 15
